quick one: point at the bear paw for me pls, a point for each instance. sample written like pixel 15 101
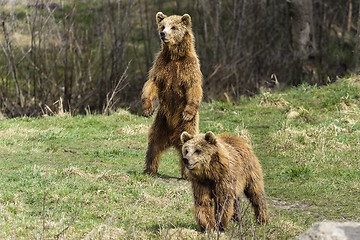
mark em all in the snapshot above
pixel 150 172
pixel 148 108
pixel 188 115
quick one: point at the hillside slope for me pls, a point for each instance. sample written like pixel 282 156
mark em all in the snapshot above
pixel 81 177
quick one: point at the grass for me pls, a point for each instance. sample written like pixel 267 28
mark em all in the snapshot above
pixel 81 177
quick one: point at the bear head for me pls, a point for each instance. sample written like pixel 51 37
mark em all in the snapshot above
pixel 200 153
pixel 172 29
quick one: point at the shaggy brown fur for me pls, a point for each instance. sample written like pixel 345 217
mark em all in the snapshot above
pixel 220 169
pixel 175 79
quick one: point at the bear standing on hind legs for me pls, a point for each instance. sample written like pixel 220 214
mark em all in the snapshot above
pixel 175 79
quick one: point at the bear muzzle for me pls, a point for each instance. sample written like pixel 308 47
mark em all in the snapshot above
pixel 187 164
pixel 163 36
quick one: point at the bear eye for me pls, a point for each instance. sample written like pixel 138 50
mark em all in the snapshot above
pixel 186 152
pixel 162 28
pixel 173 28
pixel 197 151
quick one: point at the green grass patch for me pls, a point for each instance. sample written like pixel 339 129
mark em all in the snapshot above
pixel 81 177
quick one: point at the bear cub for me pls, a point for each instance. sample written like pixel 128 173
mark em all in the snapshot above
pixel 175 80
pixel 220 168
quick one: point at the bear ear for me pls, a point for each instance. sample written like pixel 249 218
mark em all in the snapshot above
pixel 186 19
pixel 185 137
pixel 159 17
pixel 210 137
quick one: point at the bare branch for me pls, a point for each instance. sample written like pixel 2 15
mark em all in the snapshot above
pixel 118 87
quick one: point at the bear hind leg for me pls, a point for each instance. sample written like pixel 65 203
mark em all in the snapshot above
pixel 182 165
pixel 191 127
pixel 158 142
pixel 239 211
pixel 256 194
pixel 152 158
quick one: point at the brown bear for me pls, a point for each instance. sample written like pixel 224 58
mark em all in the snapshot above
pixel 175 79
pixel 221 168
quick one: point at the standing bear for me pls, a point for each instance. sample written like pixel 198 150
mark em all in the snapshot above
pixel 175 79
pixel 221 168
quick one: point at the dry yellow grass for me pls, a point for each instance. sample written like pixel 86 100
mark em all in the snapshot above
pixel 268 99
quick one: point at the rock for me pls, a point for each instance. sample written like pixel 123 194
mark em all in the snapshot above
pixel 292 114
pixel 332 231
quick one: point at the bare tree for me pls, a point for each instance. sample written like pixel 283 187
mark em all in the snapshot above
pixel 78 50
pixel 357 47
pixel 302 28
pixel 10 54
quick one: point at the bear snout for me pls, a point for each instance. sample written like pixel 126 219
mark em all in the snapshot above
pixel 186 161
pixel 162 34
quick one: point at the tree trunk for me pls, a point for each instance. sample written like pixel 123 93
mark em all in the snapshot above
pixel 302 28
pixel 357 47
pixel 303 42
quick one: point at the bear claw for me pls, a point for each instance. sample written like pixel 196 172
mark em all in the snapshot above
pixel 187 116
pixel 148 112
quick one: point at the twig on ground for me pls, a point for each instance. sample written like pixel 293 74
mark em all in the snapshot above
pixel 69 225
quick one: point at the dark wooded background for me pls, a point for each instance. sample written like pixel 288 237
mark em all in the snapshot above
pixel 94 55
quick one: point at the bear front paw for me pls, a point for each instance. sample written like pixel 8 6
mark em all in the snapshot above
pixel 148 112
pixel 148 108
pixel 188 115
